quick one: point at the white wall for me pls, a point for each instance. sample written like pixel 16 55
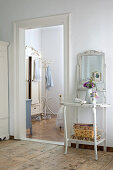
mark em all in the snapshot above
pixel 33 38
pixel 91 28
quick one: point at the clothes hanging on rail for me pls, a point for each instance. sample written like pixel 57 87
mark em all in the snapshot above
pixel 37 76
pixel 49 79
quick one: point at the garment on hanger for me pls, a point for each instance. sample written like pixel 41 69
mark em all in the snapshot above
pixel 37 74
pixel 49 79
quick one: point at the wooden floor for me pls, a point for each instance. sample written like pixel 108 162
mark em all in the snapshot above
pixel 46 130
pixel 26 155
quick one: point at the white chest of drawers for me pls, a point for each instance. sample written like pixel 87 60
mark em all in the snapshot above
pixel 3 91
pixel 36 109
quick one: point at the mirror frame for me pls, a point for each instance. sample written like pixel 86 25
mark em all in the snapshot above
pixel 79 67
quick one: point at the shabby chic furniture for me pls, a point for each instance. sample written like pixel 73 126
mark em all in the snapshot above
pixel 28 115
pixel 95 142
pixel 33 87
pixel 91 64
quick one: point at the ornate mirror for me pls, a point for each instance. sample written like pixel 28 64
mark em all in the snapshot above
pixel 91 64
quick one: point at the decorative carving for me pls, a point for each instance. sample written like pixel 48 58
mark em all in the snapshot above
pixel 91 52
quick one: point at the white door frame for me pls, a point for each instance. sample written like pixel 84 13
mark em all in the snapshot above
pixel 19 65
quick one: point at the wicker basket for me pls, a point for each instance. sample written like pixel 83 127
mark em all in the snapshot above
pixel 83 131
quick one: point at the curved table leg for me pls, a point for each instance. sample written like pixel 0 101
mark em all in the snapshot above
pixel 95 132
pixel 65 130
pixel 105 129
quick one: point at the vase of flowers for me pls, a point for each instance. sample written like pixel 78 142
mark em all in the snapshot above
pixel 89 85
pixel 94 96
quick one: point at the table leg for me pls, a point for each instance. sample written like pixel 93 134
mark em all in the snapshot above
pixel 95 132
pixel 65 130
pixel 105 129
pixel 77 144
pixel 31 131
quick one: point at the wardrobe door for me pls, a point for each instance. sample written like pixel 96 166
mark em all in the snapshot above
pixel 35 92
pixel 3 91
pixel 35 84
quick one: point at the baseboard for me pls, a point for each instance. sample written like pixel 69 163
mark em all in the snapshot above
pixel 109 149
pixel 83 146
pixel 11 137
pixel 91 147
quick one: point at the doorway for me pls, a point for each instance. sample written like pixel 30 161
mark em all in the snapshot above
pixel 44 70
pixel 19 65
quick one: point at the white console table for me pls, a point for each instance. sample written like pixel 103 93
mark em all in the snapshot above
pixel 96 142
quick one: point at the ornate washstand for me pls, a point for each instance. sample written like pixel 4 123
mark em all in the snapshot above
pixel 89 62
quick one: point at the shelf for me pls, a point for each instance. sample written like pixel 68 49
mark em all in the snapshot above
pixel 84 89
pixel 84 105
pixel 85 141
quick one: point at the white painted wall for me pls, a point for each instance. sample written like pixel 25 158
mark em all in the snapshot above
pixel 91 28
pixel 33 38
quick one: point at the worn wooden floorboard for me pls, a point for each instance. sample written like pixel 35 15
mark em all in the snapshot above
pixel 18 155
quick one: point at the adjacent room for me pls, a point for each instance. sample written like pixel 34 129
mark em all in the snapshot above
pixel 44 70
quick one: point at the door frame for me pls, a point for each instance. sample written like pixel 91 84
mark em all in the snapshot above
pixel 19 65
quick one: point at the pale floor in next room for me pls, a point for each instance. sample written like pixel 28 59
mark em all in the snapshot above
pixel 19 155
pixel 46 130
